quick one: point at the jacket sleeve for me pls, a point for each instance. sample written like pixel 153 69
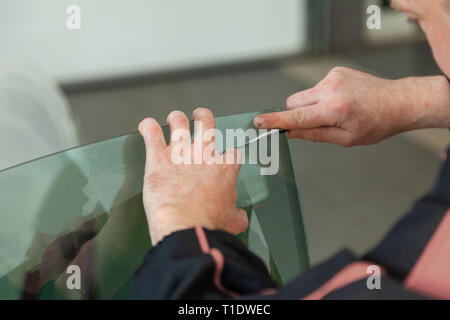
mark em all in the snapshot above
pixel 200 264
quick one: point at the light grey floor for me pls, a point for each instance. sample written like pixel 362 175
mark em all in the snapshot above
pixel 351 196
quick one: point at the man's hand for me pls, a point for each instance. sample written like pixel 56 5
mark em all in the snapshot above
pixel 182 196
pixel 350 107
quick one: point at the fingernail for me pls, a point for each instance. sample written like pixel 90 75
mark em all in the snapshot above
pixel 141 131
pixel 168 118
pixel 259 121
pixel 170 115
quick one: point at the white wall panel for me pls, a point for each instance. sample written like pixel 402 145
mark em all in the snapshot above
pixel 122 37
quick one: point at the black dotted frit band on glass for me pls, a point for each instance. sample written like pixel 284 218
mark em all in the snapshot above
pixel 449 85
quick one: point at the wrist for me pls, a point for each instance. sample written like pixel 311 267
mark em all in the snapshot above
pixel 169 220
pixel 425 102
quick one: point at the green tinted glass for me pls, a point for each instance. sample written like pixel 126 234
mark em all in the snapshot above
pixel 83 207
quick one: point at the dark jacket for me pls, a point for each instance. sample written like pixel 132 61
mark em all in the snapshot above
pixel 413 260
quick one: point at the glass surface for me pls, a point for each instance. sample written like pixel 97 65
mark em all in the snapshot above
pixel 84 207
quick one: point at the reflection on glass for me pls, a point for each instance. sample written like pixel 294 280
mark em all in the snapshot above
pixel 83 207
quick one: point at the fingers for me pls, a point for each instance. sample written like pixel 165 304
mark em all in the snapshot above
pixel 299 118
pixel 331 135
pixel 177 120
pixel 399 5
pixel 203 121
pixel 233 157
pixel 302 99
pixel 153 136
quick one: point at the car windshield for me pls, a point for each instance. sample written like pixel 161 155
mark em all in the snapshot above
pixel 83 207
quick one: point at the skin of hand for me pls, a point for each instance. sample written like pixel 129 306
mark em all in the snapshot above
pixel 350 107
pixel 182 196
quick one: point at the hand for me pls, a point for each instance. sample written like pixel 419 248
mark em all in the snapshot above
pixel 350 107
pixel 182 196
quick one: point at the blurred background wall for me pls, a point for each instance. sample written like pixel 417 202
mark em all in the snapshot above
pixel 123 37
pixel 136 58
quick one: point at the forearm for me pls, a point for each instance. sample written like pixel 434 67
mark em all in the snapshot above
pixel 425 102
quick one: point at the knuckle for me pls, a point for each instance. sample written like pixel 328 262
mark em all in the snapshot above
pixel 341 104
pixel 299 116
pixel 336 79
pixel 338 83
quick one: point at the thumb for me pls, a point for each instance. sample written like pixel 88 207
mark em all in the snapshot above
pixel 240 222
pixel 331 135
pixel 302 99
